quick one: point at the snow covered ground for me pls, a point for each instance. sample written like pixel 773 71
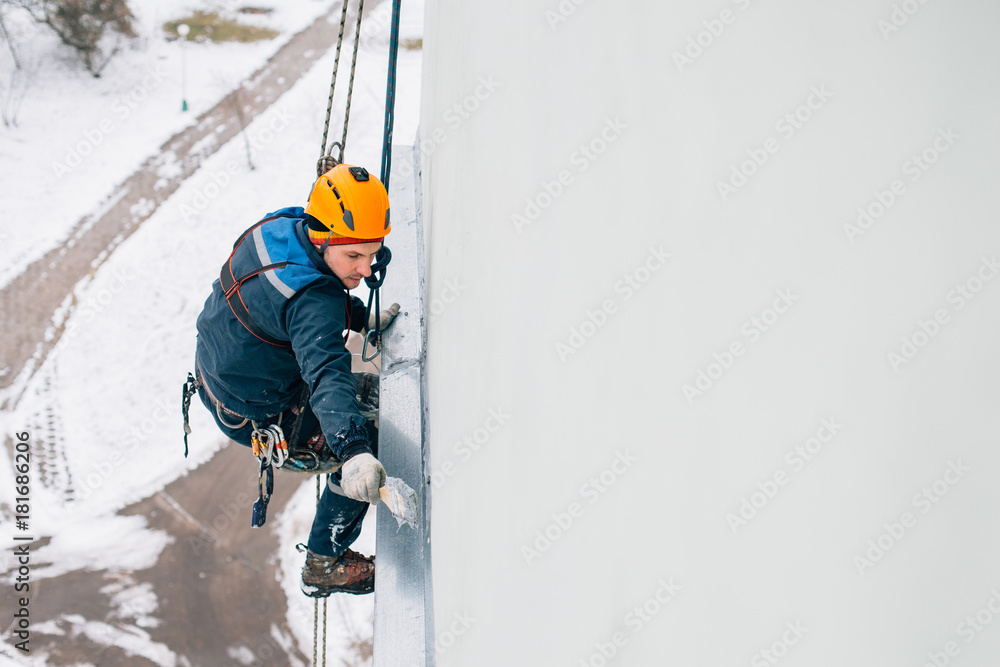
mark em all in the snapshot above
pixel 104 408
pixel 77 136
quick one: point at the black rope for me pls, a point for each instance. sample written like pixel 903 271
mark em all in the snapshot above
pixel 374 281
pixel 382 259
pixel 390 95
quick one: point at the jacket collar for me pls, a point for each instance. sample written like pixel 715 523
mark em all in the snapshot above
pixel 313 254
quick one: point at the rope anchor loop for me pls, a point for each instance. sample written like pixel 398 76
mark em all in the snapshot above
pixel 329 161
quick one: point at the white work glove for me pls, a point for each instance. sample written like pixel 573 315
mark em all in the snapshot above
pixel 385 318
pixel 360 478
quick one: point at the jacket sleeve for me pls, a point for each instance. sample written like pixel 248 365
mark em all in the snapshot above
pixel 315 319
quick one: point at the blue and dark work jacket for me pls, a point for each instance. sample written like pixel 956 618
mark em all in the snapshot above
pixel 282 327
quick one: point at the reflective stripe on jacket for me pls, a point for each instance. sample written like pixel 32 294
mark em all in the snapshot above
pixel 304 306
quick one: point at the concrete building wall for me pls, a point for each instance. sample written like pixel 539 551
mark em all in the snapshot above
pixel 684 397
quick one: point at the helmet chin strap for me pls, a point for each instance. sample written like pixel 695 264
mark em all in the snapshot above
pixel 326 243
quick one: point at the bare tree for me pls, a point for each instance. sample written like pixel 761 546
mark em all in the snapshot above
pixel 81 24
pixel 236 100
pixel 14 87
pixel 6 35
pixel 14 90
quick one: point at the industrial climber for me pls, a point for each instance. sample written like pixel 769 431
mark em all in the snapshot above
pixel 273 368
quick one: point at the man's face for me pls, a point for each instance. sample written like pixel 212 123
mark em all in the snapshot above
pixel 351 263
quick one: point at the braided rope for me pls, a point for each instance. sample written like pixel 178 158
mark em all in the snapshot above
pixel 350 83
pixel 333 82
pixel 316 607
pixel 315 628
pixel 324 632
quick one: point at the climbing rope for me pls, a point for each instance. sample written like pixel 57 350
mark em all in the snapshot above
pixel 327 160
pixel 333 85
pixel 316 634
pixel 350 82
pixel 390 95
pixel 382 259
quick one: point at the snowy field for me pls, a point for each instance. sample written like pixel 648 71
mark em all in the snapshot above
pixel 746 253
pixel 104 408
pixel 85 135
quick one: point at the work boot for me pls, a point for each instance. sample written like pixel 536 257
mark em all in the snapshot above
pixel 349 573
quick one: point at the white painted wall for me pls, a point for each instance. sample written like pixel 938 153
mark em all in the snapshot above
pixel 503 297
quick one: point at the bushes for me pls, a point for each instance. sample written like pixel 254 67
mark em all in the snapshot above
pixel 83 24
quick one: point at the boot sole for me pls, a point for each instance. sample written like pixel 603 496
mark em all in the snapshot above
pixel 326 591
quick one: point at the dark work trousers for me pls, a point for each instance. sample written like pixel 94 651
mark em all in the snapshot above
pixel 337 523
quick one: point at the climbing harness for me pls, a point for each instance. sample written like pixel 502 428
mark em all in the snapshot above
pixel 231 287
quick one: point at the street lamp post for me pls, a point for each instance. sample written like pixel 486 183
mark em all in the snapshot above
pixel 183 29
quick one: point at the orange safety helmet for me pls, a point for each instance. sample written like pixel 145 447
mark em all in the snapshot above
pixel 350 203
